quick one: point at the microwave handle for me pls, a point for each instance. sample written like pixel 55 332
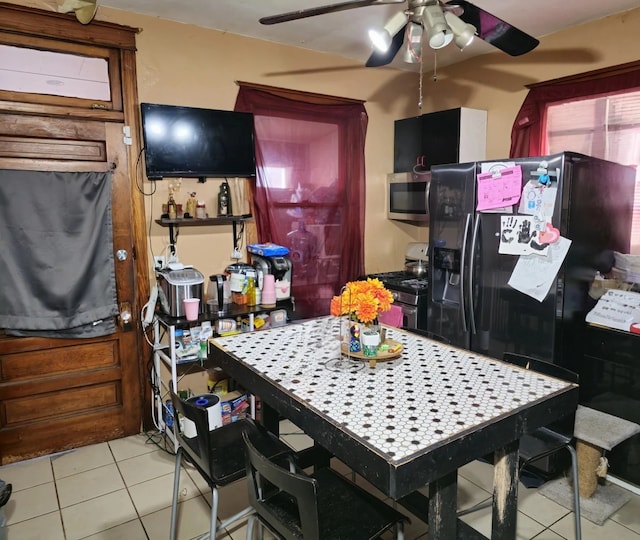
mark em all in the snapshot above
pixel 427 197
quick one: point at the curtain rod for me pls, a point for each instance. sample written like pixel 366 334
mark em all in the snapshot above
pixel 591 75
pixel 300 94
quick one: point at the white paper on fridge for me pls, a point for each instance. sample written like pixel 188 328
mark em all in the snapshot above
pixel 520 235
pixel 538 200
pixel 533 275
pixel 499 188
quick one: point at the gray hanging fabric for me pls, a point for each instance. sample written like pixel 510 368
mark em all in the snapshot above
pixel 57 275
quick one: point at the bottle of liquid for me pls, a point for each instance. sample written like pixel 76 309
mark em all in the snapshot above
pixel 172 208
pixel 251 292
pixel 191 205
pixel 224 200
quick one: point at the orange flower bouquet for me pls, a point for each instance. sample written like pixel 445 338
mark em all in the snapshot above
pixel 362 300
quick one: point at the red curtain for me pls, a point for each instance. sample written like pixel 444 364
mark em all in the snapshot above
pixel 309 194
pixel 527 134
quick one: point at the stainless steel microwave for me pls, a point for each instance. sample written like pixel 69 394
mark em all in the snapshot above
pixel 408 196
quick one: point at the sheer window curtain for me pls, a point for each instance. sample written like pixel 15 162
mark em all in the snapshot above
pixel 309 194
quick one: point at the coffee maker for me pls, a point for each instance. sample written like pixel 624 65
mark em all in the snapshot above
pixel 281 268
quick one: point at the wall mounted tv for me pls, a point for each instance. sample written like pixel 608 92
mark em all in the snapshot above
pixel 197 143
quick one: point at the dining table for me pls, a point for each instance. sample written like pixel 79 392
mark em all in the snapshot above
pixel 405 422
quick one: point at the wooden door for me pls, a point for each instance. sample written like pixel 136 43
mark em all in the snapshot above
pixel 57 394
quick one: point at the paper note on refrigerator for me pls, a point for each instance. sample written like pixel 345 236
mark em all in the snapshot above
pixel 499 188
pixel 534 275
pixel 538 200
pixel 492 167
pixel 523 235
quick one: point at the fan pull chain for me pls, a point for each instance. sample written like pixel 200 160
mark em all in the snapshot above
pixel 420 85
pixel 435 67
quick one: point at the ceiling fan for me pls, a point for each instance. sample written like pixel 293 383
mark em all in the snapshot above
pixel 433 22
pixel 84 10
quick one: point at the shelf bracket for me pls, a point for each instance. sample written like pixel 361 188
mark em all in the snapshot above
pixel 172 239
pixel 234 225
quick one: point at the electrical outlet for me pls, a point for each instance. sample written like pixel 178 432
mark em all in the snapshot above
pixel 236 254
pixel 158 262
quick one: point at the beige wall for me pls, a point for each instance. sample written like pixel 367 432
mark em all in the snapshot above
pixel 188 65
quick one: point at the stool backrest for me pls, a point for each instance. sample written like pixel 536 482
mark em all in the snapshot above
pixel 286 502
pixel 198 448
pixel 565 425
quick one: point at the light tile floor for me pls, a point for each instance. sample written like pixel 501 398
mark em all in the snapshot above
pixel 121 490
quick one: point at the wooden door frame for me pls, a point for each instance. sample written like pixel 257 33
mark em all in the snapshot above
pixel 30 23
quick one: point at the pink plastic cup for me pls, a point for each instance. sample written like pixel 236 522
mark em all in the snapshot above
pixel 269 290
pixel 191 308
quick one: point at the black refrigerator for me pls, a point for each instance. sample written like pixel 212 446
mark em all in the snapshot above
pixel 471 302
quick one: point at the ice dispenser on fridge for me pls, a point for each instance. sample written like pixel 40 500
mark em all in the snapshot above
pixel 447 285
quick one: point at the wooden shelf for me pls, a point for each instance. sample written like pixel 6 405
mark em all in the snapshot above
pixel 195 222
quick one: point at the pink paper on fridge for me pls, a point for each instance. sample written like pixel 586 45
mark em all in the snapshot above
pixel 499 188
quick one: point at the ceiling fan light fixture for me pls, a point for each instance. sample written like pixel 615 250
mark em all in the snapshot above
pixel 413 47
pixel 463 32
pixel 440 35
pixel 381 39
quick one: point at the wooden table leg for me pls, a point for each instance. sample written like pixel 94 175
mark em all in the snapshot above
pixel 505 492
pixel 443 496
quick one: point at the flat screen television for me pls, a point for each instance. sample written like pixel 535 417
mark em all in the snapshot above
pixel 197 143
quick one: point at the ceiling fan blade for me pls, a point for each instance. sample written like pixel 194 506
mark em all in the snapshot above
pixel 379 58
pixel 320 10
pixel 495 31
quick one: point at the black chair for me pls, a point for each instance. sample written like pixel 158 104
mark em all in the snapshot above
pixel 218 455
pixel 428 334
pixel 322 506
pixel 547 440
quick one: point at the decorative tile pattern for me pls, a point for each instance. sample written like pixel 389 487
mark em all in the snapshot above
pixel 427 395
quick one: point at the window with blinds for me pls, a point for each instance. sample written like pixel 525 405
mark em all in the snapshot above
pixel 607 127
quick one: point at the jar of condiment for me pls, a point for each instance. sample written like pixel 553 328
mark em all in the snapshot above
pixel 201 210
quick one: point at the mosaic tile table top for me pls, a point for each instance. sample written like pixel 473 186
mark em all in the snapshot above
pixel 428 395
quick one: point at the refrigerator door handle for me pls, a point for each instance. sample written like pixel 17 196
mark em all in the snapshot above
pixel 463 307
pixel 472 258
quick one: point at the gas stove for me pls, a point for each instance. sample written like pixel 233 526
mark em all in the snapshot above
pixel 403 281
pixel 409 292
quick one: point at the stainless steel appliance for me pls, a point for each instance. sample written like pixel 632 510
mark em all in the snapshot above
pixel 175 286
pixel 409 292
pixel 281 268
pixel 470 300
pixel 408 196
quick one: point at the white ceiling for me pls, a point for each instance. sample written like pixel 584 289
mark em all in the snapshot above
pixel 345 33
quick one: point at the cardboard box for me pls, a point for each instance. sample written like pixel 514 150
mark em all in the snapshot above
pixel 235 406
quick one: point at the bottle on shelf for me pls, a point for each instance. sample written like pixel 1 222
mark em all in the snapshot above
pixel 251 292
pixel 172 207
pixel 191 205
pixel 201 210
pixel 224 200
